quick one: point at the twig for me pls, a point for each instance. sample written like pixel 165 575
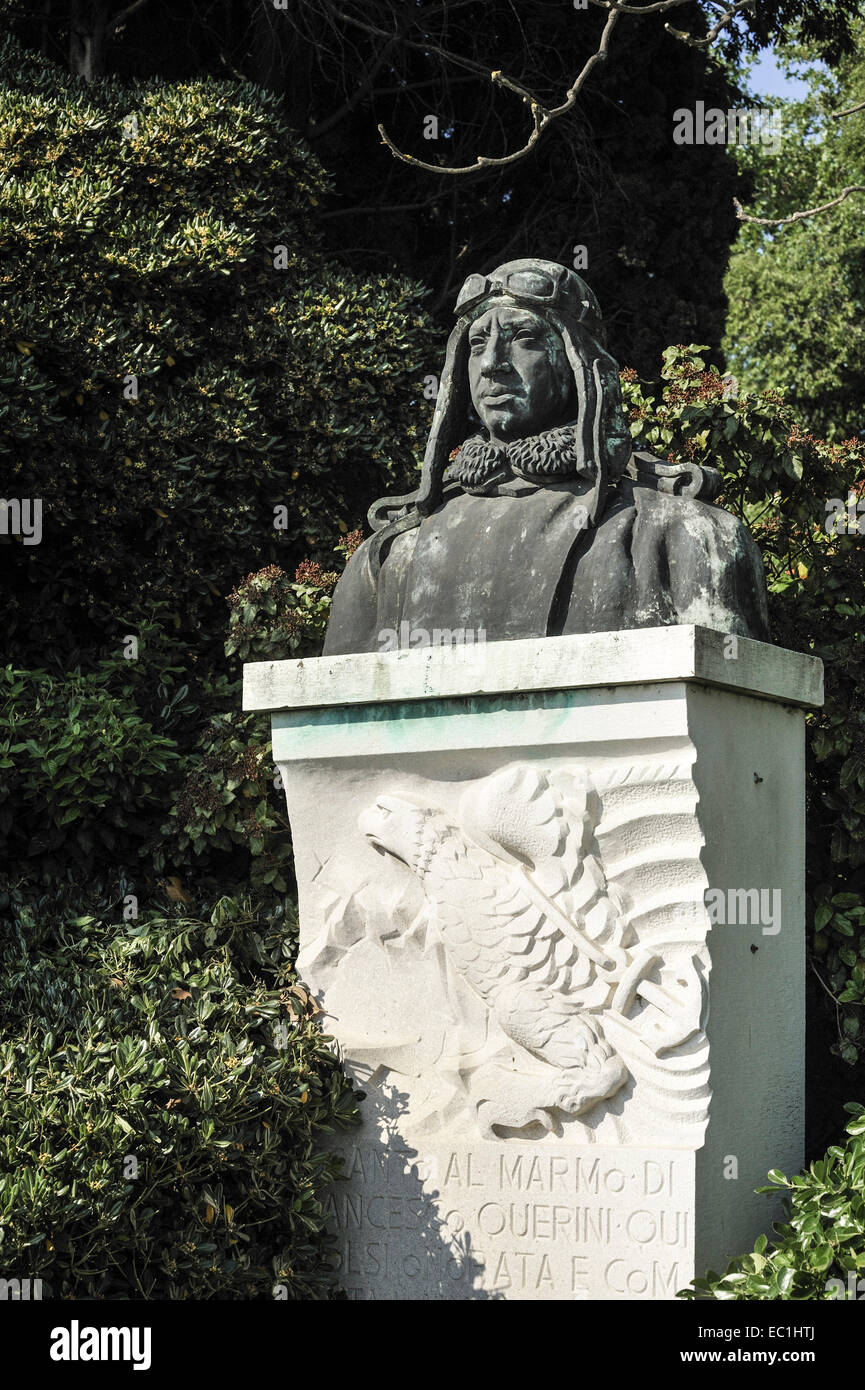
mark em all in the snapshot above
pixel 831 996
pixel 542 116
pixel 836 115
pixel 378 207
pixel 659 6
pixel 122 17
pixel 744 216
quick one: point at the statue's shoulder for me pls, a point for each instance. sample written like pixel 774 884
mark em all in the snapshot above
pixel 675 510
pixel 707 550
pixel 366 561
pixel 686 482
pixel 676 503
pixel 679 495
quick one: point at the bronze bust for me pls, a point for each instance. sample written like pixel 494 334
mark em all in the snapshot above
pixel 535 516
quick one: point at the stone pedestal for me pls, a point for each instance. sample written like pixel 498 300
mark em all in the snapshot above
pixel 552 901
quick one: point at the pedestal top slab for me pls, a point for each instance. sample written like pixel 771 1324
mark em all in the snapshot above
pixel 635 657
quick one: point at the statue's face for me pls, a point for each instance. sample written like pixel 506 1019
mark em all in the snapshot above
pixel 519 376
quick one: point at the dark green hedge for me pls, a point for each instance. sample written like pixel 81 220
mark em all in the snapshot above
pixel 166 1088
pixel 178 1037
pixel 149 250
pixel 140 229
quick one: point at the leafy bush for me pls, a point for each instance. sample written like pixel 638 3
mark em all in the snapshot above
pixel 166 1090
pixel 821 1244
pixel 167 233
pixel 82 771
pixel 272 617
pixel 230 797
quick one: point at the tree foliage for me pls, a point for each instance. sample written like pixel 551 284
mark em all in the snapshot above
pixel 186 382
pixel 655 219
pixel 797 293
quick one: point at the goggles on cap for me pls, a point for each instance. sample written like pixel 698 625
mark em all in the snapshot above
pixel 532 286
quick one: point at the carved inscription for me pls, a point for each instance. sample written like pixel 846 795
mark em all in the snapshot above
pixel 508 1222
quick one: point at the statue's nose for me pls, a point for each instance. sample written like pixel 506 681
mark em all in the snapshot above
pixel 494 360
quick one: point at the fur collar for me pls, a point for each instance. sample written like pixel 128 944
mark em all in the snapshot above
pixel 478 464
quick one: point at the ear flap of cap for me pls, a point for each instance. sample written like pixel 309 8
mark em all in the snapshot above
pixel 448 419
pixel 589 407
pixel 391 515
pixel 604 434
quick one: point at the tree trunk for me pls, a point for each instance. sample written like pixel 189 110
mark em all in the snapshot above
pixel 88 21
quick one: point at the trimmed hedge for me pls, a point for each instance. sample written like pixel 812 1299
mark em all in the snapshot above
pixel 166 1090
pixel 168 233
pixel 140 236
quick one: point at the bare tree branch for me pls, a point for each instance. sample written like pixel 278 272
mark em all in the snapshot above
pixel 423 47
pixel 122 17
pixel 320 128
pixel 378 207
pixel 836 115
pixel 231 69
pixel 726 18
pixel 659 6
pixel 655 7
pixel 744 216
pixel 542 116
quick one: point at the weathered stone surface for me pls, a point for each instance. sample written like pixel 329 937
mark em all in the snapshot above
pixel 510 907
pixel 563 663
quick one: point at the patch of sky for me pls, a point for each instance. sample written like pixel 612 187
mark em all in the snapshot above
pixel 766 78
